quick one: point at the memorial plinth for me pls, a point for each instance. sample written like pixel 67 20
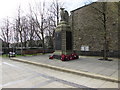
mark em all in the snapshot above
pixel 63 40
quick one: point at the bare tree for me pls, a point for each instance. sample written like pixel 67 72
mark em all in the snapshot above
pixel 24 25
pixel 16 33
pixel 54 12
pixel 53 18
pixel 54 9
pixel 40 23
pixel 31 27
pixel 6 33
pixel 102 13
pixel 19 28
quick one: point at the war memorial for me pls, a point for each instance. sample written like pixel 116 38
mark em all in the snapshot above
pixel 63 39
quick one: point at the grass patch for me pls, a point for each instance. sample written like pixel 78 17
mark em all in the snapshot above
pixel 3 55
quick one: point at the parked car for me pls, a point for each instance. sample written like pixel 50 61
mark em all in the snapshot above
pixel 11 54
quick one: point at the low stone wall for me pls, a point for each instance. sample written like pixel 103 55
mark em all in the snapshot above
pixel 27 51
pixel 35 51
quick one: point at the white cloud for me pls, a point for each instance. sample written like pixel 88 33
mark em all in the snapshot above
pixel 9 7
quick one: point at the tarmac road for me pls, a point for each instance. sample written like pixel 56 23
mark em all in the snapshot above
pixel 22 75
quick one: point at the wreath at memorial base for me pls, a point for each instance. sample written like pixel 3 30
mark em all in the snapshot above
pixel 67 57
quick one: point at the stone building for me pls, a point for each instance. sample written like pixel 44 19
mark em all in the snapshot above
pixel 87 25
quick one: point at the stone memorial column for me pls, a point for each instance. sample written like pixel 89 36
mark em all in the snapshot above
pixel 63 36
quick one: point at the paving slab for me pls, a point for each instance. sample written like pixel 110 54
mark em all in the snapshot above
pixel 109 85
pixel 85 64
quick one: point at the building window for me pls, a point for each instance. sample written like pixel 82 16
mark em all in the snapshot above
pixel 84 48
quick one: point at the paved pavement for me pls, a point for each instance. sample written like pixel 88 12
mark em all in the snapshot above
pixel 89 65
pixel 20 75
pixel 24 75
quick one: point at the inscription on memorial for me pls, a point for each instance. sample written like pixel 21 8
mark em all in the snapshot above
pixel 68 40
pixel 58 41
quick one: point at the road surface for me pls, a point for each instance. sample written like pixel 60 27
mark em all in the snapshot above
pixel 22 75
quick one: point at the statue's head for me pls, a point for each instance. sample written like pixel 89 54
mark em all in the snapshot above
pixel 62 8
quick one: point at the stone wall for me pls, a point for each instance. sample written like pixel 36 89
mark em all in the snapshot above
pixel 88 29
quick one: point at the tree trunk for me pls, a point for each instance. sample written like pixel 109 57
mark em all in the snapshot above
pixel 43 44
pixel 105 33
pixel 21 43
